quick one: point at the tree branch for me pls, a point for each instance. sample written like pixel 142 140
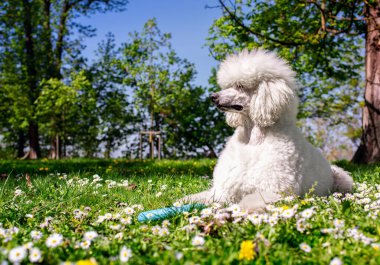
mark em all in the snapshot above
pixel 246 28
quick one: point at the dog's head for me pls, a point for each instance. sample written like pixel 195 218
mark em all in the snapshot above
pixel 256 84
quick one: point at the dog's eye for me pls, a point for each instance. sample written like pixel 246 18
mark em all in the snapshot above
pixel 240 86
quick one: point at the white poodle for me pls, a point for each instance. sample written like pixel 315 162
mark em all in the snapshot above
pixel 267 157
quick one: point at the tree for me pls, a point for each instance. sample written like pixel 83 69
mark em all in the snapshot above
pixel 323 40
pixel 166 98
pixel 155 73
pixel 59 107
pixel 37 38
pixel 113 107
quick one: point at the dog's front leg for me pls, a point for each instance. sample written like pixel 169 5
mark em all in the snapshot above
pixel 205 197
pixel 257 202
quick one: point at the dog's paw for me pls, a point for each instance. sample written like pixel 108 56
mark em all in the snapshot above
pixel 258 201
pixel 253 203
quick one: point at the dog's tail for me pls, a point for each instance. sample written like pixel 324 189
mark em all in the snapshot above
pixel 342 180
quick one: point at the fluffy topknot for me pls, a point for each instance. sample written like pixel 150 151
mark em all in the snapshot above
pixel 247 69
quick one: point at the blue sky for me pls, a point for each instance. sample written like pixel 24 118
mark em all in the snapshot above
pixel 187 20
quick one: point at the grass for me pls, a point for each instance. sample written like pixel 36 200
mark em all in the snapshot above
pixel 66 198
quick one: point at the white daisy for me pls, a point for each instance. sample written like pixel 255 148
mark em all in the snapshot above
pixel 17 254
pixel 108 216
pixel 18 192
pixel 163 232
pixel 54 240
pixel 115 227
pixel 288 213
pixel 165 223
pixel 126 221
pixel 35 255
pixel 85 244
pixel 301 227
pixel 338 223
pixel 194 220
pixel 305 247
pixel 36 235
pixel 178 255
pixel 206 212
pixel 125 254
pixel 156 229
pixel 177 204
pixel 90 235
pixel 307 213
pixel 119 236
pixel 198 241
pixel 336 261
pixel 129 210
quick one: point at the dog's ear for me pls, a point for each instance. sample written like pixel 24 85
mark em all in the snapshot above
pixel 270 100
pixel 234 119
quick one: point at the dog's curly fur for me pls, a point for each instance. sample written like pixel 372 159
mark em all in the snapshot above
pixel 267 156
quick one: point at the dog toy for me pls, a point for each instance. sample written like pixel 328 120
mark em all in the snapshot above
pixel 164 213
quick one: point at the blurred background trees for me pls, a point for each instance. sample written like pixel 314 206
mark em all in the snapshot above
pixel 57 104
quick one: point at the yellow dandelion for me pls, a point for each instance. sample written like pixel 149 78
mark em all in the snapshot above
pixel 285 207
pixel 247 251
pixel 91 261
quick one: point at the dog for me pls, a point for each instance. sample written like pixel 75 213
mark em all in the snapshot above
pixel 267 157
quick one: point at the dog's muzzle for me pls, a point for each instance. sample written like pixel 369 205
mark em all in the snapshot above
pixel 215 99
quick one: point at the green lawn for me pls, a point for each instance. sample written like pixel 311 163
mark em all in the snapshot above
pixel 61 201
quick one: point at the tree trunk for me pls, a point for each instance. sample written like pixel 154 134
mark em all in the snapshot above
pixel 20 144
pixel 34 147
pixel 369 148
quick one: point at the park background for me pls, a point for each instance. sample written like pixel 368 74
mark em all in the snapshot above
pixel 80 79
pixel 83 79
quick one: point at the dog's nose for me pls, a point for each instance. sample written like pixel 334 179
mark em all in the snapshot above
pixel 214 97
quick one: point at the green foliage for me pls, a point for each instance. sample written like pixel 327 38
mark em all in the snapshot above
pixel 36 46
pixel 323 41
pixel 164 96
pixel 113 107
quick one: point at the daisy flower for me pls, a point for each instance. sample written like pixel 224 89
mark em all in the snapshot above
pixel 163 232
pixel 90 235
pixel 54 240
pixel 307 213
pixel 85 244
pixel 305 247
pixel 129 210
pixel 198 241
pixel 18 192
pixel 177 204
pixel 301 227
pixel 17 254
pixel 156 229
pixel 125 254
pixel 206 212
pixel 178 255
pixel 126 221
pixel 36 235
pixel 336 261
pixel 288 213
pixel 119 235
pixel 338 223
pixel 35 255
pixel 165 223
